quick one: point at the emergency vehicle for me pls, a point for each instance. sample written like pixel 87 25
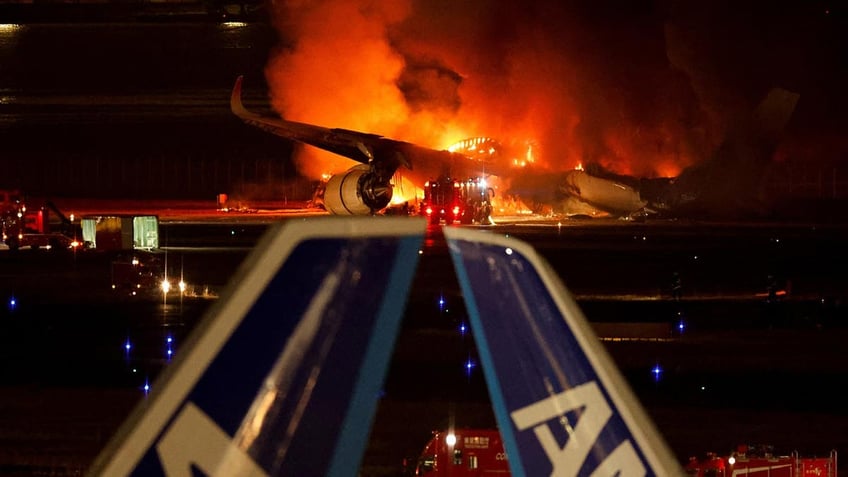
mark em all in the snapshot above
pixel 463 453
pixel 22 227
pixel 457 201
pixel 756 462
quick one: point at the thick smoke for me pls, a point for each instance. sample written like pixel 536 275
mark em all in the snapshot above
pixel 634 86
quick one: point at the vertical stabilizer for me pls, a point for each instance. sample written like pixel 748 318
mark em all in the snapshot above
pixel 730 182
pixel 282 376
pixel 562 406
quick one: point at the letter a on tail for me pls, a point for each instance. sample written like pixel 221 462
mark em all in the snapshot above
pixel 562 406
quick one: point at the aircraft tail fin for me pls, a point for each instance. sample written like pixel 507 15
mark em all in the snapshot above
pixel 562 406
pixel 730 182
pixel 283 374
pixel 236 105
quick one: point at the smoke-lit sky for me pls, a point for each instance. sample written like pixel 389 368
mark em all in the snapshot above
pixel 641 87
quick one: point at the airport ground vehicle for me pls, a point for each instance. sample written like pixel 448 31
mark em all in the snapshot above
pixel 463 453
pixel 457 201
pixel 23 227
pixel 120 232
pixel 759 461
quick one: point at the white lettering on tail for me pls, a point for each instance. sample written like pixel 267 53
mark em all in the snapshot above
pixel 567 461
pixel 194 439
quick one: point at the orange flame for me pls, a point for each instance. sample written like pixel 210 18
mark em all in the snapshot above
pixel 433 73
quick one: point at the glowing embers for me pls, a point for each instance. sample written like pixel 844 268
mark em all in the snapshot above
pixel 476 146
pixel 518 154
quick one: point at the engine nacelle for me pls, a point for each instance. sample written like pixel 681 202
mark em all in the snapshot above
pixel 357 191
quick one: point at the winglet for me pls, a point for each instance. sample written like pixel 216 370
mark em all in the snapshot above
pixel 235 100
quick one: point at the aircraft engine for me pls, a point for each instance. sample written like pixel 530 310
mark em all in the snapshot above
pixel 357 191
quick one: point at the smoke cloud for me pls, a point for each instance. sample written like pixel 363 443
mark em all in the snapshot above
pixel 637 87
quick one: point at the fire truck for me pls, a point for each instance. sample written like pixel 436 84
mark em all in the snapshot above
pixel 463 453
pixel 457 201
pixel 22 227
pixel 754 462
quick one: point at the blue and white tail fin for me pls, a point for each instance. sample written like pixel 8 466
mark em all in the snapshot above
pixel 283 375
pixel 562 406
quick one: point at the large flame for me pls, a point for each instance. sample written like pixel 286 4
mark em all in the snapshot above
pixel 582 84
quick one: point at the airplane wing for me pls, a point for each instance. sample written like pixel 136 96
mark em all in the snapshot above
pixel 282 375
pixel 358 146
pixel 562 406
pixel 386 154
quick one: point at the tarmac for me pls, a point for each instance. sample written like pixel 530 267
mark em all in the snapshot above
pixel 734 376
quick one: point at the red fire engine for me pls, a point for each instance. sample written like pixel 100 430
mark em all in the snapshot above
pixel 463 453
pixel 21 227
pixel 762 462
pixel 452 201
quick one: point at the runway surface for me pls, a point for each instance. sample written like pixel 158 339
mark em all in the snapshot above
pixel 743 369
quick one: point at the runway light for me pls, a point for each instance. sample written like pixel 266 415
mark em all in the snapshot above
pixel 12 303
pixel 656 371
pixel 169 350
pixel 469 366
pixel 462 328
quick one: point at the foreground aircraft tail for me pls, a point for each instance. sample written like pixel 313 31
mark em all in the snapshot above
pixel 282 376
pixel 562 406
